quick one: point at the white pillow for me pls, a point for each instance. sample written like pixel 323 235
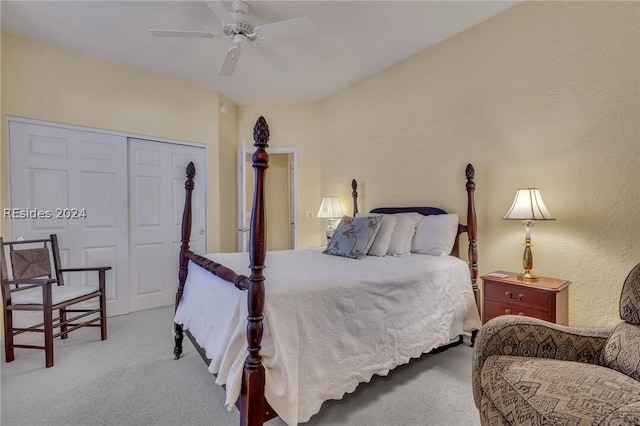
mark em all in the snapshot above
pixel 403 233
pixel 436 234
pixel 381 243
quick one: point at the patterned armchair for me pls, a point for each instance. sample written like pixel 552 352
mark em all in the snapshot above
pixel 531 372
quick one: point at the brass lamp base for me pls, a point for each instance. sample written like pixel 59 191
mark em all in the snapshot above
pixel 527 256
pixel 527 276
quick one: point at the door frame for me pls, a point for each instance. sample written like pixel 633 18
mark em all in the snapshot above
pixel 241 192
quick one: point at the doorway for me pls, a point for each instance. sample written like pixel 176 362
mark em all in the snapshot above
pixel 281 198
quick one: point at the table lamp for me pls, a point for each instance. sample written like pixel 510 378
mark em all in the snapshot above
pixel 330 209
pixel 528 207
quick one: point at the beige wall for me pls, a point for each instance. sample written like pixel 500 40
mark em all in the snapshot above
pixel 43 82
pixel 545 94
pixel 294 126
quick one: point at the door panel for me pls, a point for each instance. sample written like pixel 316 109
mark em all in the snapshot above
pixel 156 187
pixel 53 168
pixel 61 171
pixel 281 191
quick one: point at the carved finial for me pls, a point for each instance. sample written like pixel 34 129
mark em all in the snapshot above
pixel 354 185
pixel 261 132
pixel 191 170
pixel 470 172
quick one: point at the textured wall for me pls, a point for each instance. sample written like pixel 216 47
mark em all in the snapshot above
pixel 47 83
pixel 294 126
pixel 545 95
pixel 225 172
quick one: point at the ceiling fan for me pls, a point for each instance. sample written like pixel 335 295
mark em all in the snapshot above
pixel 239 26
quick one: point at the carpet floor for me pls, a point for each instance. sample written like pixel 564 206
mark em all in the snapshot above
pixel 132 379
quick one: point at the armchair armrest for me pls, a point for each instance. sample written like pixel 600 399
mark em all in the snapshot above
pixel 100 269
pixel 95 268
pixel 530 337
pixel 30 281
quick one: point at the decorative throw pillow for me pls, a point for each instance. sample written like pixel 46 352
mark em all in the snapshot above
pixel 622 350
pixel 436 234
pixel 382 241
pixel 354 236
pixel 403 233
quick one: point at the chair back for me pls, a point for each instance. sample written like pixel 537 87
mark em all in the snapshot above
pixel 622 350
pixel 27 261
pixel 630 297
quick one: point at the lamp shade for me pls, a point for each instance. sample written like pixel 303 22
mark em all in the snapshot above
pixel 528 205
pixel 330 208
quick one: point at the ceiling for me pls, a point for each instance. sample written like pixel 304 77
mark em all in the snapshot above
pixel 351 40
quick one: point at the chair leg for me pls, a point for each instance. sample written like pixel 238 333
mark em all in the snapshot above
pixel 48 337
pixel 48 325
pixel 103 305
pixel 63 328
pixel 8 336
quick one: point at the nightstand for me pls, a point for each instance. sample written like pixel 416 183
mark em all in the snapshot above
pixel 546 298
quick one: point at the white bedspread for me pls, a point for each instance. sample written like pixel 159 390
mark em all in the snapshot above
pixel 331 322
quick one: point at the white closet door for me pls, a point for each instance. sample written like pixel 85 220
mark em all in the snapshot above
pixel 67 173
pixel 156 194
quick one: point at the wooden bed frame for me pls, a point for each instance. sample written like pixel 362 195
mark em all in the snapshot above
pixel 253 407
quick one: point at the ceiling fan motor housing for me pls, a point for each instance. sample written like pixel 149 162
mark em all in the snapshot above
pixel 230 30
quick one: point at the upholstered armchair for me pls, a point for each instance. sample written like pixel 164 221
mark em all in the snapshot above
pixel 530 372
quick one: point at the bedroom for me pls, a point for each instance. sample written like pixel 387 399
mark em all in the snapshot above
pixel 544 94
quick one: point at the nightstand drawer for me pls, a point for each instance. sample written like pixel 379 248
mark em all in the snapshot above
pixel 517 296
pixel 546 298
pixel 493 309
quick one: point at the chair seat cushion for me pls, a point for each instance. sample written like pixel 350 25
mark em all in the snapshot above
pixel 59 294
pixel 538 391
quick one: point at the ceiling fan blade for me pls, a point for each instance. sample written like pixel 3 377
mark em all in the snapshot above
pixel 219 9
pixel 286 28
pixel 230 61
pixel 183 34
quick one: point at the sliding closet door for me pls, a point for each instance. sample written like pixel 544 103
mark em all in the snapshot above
pixel 156 194
pixel 77 180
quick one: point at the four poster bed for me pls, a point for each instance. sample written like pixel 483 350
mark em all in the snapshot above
pixel 322 324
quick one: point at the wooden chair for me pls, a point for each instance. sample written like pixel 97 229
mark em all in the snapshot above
pixel 34 286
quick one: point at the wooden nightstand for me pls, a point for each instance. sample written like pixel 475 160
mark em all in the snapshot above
pixel 546 298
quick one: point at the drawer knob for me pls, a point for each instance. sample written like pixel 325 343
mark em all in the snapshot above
pixel 508 312
pixel 510 296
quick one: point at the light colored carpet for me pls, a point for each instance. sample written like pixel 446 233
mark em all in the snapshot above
pixel 132 379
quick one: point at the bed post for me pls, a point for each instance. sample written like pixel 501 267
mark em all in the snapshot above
pixel 472 230
pixel 184 249
pixel 354 195
pixel 252 406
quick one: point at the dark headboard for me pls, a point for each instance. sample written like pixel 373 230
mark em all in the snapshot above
pixel 470 228
pixel 426 211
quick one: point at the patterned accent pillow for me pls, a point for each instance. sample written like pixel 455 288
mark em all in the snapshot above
pixel 622 351
pixel 354 236
pixel 630 297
